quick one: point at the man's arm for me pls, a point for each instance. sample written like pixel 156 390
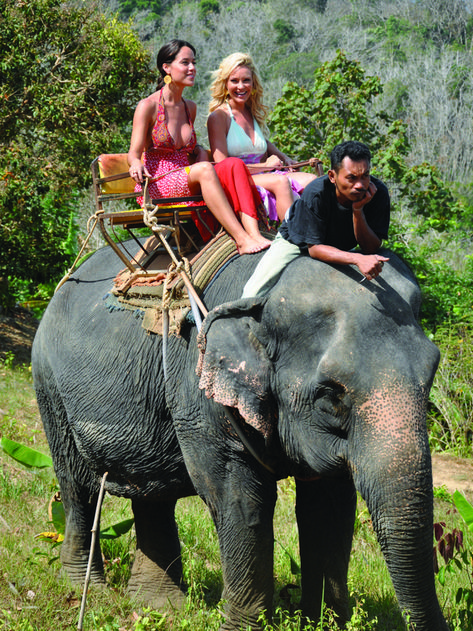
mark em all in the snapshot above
pixel 370 265
pixel 366 238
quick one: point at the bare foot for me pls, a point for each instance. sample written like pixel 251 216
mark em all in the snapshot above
pixel 250 245
pixel 258 237
pixel 264 241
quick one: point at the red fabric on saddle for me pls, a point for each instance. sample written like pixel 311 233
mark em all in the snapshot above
pixel 239 189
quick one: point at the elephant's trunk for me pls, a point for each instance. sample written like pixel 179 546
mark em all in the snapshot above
pixel 392 470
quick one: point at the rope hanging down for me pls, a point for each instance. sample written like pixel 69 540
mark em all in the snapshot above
pixel 90 231
pixel 183 269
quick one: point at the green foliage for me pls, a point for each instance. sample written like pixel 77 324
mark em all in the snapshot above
pixel 457 559
pixel 117 530
pixel 28 457
pixel 294 112
pixel 320 5
pixel 33 459
pixel 464 508
pixel 446 292
pixel 128 7
pixel 208 9
pixel 443 494
pixel 32 296
pixel 285 31
pixel 69 81
pixel 360 620
pixel 297 65
pixel 395 39
pixel 450 419
pixel 310 121
pixel 37 229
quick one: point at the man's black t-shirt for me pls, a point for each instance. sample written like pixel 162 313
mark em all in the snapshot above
pixel 317 218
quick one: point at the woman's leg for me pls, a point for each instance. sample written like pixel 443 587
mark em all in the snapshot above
pixel 302 177
pixel 242 194
pixel 279 185
pixel 203 178
pixel 250 224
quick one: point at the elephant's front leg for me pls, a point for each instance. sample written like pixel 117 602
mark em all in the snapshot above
pixel 243 511
pixel 325 512
pixel 156 575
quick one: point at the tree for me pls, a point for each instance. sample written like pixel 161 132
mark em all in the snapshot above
pixel 306 121
pixel 69 81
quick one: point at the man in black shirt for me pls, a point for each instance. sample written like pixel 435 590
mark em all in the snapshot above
pixel 335 213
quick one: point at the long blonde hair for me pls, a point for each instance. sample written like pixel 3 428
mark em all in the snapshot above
pixel 219 92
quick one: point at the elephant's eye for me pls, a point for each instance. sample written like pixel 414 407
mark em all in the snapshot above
pixel 332 398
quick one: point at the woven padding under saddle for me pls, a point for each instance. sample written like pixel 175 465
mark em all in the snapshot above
pixel 148 299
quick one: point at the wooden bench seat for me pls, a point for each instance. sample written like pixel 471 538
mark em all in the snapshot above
pixel 112 183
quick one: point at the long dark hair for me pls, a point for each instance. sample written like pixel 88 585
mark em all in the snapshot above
pixel 167 54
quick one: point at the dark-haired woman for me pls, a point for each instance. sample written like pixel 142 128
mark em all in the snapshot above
pixel 163 134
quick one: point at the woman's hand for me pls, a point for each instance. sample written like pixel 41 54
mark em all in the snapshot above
pixel 273 161
pixel 280 158
pixel 137 171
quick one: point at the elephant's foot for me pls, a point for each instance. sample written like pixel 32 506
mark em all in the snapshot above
pixel 236 623
pixel 337 598
pixel 249 618
pixel 75 559
pixel 152 585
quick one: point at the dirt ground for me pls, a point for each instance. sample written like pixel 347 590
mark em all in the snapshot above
pixel 17 333
pixel 456 474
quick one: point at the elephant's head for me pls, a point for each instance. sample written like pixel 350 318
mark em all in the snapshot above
pixel 341 371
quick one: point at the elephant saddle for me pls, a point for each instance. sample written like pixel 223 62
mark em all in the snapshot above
pixel 148 296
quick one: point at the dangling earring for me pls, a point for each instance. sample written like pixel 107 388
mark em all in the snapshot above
pixel 167 79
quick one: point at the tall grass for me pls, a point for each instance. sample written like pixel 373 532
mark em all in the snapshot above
pixel 451 413
pixel 34 596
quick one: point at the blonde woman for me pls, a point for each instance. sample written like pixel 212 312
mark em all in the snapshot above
pixel 236 127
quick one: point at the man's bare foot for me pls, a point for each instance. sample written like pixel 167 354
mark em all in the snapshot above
pixel 250 245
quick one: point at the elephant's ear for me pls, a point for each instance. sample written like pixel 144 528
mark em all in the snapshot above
pixel 233 367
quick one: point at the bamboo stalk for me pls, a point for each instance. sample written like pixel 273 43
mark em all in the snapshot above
pixel 91 553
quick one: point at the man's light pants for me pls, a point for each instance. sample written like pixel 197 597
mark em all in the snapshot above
pixel 270 267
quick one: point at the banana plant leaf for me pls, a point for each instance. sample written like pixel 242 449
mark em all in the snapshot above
pixel 464 508
pixel 36 460
pixel 117 530
pixel 25 455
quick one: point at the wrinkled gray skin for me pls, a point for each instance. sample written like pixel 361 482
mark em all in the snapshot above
pixel 330 379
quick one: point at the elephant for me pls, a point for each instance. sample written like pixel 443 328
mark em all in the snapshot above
pixel 325 379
